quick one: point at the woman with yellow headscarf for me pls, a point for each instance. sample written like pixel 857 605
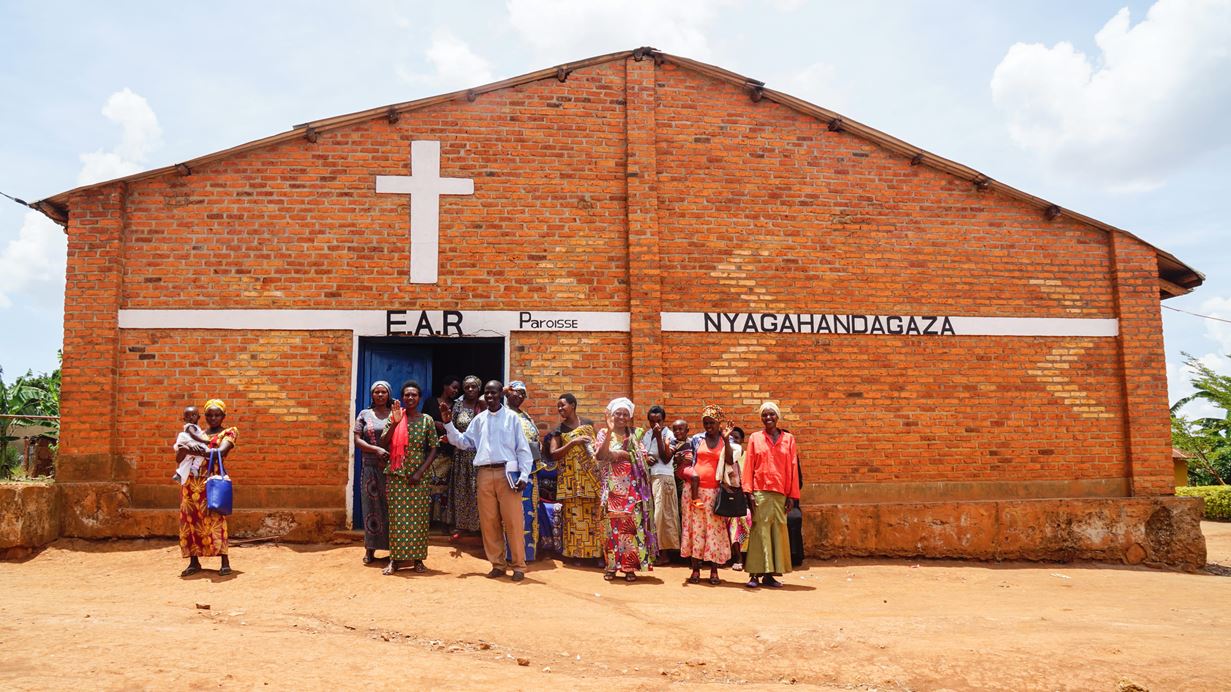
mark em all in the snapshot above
pixel 704 537
pixel 203 533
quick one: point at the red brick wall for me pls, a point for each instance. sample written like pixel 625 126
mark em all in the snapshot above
pixel 285 226
pixel 916 409
pixel 762 206
pixel 593 366
pixel 288 392
pixel 88 445
pixel 582 189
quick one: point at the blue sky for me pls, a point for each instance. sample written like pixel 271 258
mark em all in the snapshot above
pixel 1117 110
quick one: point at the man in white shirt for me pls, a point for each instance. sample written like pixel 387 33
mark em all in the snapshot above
pixel 503 462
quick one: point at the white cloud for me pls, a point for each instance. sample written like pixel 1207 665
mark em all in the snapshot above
pixel 563 30
pixel 454 65
pixel 1153 99
pixel 1218 332
pixel 140 135
pixel 32 264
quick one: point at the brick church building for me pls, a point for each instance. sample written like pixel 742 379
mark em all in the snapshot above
pixel 971 371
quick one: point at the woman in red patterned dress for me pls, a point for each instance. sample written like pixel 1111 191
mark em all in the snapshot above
pixel 203 533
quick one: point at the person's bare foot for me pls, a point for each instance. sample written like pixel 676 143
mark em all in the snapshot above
pixel 390 568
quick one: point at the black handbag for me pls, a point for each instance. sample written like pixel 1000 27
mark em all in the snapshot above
pixel 730 502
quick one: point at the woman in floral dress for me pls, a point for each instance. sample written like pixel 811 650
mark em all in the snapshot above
pixel 626 495
pixel 705 536
pixel 203 532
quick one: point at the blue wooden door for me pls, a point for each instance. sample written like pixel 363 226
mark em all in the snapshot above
pixel 393 362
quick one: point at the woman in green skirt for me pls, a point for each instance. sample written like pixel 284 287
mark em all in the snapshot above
pixel 411 440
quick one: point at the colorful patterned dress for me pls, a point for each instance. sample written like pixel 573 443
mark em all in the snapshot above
pixel 545 479
pixel 705 535
pixel 577 489
pixel 372 490
pixel 462 511
pixel 410 505
pixel 437 477
pixel 738 527
pixel 530 495
pixel 202 533
pixel 629 500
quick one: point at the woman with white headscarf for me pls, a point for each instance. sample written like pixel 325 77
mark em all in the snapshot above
pixel 772 485
pixel 369 425
pixel 626 495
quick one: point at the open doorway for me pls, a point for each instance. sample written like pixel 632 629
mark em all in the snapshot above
pixel 428 361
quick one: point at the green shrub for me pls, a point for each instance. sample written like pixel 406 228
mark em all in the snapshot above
pixel 1217 499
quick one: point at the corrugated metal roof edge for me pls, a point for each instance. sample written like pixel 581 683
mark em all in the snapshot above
pixel 1171 268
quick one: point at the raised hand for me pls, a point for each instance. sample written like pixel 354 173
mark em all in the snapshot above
pixel 446 413
pixel 396 412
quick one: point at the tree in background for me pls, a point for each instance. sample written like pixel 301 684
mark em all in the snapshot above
pixel 28 395
pixel 1206 440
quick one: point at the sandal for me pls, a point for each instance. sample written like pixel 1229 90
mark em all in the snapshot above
pixel 738 566
pixel 367 558
pixel 420 567
pixel 630 577
pixel 714 579
pixel 608 576
pixel 769 581
pixel 753 583
pixel 390 568
pixel 224 571
pixel 695 577
pixel 190 570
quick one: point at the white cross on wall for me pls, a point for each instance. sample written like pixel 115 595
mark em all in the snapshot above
pixel 425 186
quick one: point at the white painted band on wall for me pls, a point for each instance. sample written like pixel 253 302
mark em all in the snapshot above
pixel 887 325
pixel 382 322
pixel 504 322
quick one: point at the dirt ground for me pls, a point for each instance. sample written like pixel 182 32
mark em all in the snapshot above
pixel 117 615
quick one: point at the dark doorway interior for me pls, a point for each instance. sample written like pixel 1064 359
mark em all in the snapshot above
pixel 428 361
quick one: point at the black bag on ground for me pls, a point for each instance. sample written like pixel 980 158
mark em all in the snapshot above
pixel 795 531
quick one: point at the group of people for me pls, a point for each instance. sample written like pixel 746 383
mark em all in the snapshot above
pixel 622 496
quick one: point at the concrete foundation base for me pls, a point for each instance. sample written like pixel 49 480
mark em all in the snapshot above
pixel 1154 531
pixel 29 518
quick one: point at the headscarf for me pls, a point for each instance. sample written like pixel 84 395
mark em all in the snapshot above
pixel 397 443
pixel 472 378
pixel 715 412
pixel 215 403
pixel 519 386
pixel 770 406
pixel 380 383
pixel 620 403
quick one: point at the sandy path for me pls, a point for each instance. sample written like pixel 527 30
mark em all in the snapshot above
pixel 116 615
